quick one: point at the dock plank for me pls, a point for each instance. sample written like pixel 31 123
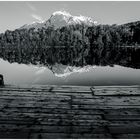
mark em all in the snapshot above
pixel 69 112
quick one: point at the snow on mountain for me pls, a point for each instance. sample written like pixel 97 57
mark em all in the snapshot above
pixel 60 70
pixel 60 19
pixel 35 25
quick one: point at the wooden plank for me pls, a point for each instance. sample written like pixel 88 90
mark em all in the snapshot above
pixel 116 90
pixel 122 117
pixel 126 136
pixel 15 135
pixel 98 106
pixel 30 102
pixel 51 89
pixel 116 100
pixel 99 90
pixel 44 87
pixel 100 129
pixel 68 136
pixel 54 122
pixel 54 129
pixel 116 87
pixel 50 110
pixel 49 136
pixel 124 129
pixel 45 94
pixel 41 106
pixel 32 94
pixel 65 106
pixel 45 117
pixel 94 100
pixel 124 111
pixel 108 111
pixel 90 136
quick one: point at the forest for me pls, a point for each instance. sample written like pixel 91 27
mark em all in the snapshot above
pixel 74 45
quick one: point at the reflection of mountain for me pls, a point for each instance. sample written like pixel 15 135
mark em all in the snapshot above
pixel 75 42
pixel 63 62
pixel 63 70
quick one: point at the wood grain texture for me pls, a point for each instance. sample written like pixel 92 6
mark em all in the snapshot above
pixel 69 112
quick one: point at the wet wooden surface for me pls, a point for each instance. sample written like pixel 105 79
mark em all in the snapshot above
pixel 69 112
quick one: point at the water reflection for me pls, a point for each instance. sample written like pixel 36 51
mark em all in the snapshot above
pixel 69 66
pixel 18 74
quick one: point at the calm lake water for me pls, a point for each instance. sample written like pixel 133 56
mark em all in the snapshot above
pixel 29 74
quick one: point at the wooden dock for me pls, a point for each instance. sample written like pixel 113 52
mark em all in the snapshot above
pixel 69 112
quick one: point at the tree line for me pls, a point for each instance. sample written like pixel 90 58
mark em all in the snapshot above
pixel 75 45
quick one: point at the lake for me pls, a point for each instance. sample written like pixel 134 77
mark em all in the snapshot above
pixel 18 74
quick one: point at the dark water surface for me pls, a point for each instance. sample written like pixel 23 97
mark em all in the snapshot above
pixel 18 74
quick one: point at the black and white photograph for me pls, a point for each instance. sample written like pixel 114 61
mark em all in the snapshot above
pixel 69 69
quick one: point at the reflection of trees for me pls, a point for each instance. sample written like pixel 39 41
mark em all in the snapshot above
pixel 77 45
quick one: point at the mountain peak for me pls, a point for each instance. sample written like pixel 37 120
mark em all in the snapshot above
pixel 60 19
pixel 64 13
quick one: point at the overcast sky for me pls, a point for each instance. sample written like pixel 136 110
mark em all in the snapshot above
pixel 15 14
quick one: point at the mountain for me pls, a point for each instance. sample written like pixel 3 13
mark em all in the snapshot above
pixel 75 49
pixel 60 19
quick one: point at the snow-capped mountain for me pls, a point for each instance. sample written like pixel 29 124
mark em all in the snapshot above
pixel 35 25
pixel 59 19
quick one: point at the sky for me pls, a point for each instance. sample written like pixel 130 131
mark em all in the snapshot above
pixel 15 14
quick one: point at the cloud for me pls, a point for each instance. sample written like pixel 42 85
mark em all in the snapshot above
pixel 34 10
pixel 37 17
pixel 30 6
